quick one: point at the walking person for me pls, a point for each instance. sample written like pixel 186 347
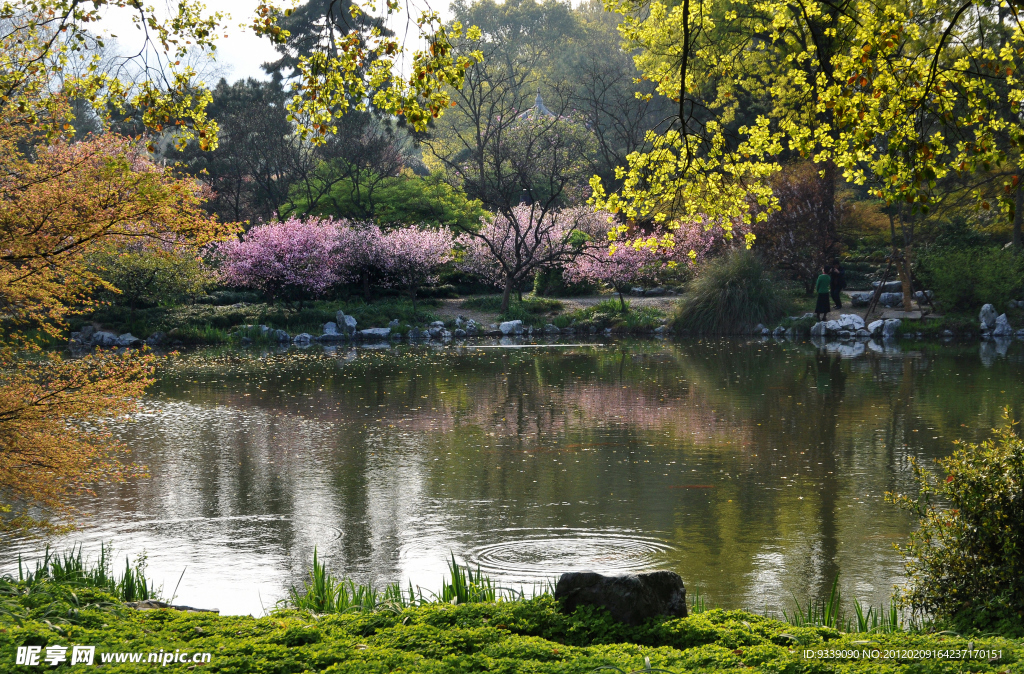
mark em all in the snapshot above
pixel 822 287
pixel 838 275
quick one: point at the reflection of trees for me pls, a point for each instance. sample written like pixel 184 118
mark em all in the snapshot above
pixel 608 438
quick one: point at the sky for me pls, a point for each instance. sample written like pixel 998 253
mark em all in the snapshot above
pixel 239 55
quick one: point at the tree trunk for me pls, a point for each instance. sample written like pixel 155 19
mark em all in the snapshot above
pixel 907 270
pixel 1018 211
pixel 622 302
pixel 366 286
pixel 507 295
pixel 827 217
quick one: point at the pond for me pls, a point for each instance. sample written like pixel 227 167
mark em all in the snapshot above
pixel 755 469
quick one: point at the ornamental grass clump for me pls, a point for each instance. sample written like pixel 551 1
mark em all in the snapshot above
pixel 730 295
pixel 965 564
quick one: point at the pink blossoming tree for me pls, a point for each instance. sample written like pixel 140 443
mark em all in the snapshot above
pixel 644 260
pixel 296 259
pixel 411 257
pixel 508 250
pixel 619 266
pixel 284 260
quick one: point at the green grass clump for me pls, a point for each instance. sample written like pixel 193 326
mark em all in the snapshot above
pixel 72 569
pixel 729 295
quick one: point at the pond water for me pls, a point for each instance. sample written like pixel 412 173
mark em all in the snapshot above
pixel 755 469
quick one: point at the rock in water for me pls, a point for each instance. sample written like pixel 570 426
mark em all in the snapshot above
pixel 104 339
pixel 1002 328
pixel 987 317
pixel 875 328
pixel 630 599
pixel 378 334
pixel 346 324
pixel 889 328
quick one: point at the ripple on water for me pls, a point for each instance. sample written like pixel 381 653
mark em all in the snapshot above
pixel 546 553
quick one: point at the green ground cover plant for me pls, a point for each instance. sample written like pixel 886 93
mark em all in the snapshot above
pixel 615 314
pixel 529 635
pixel 214 324
pixel 529 310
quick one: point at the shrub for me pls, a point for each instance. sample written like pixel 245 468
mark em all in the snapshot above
pixel 963 279
pixel 731 294
pixel 146 276
pixel 966 561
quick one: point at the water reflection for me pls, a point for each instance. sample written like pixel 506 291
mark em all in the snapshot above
pixel 755 469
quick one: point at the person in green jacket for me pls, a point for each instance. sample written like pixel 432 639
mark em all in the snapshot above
pixel 822 286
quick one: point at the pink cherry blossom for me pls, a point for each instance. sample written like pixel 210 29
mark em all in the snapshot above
pixel 286 259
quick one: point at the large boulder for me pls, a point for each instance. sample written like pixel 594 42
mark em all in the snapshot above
pixel 156 339
pixel 630 599
pixel 346 324
pixel 331 333
pixel 128 339
pixel 104 339
pixel 861 299
pixel 875 328
pixel 851 322
pixel 281 336
pixel 923 296
pixel 654 292
pixel 375 334
pixel 891 299
pixel 471 327
pixel 818 329
pixel 511 327
pixel 551 329
pixel 832 327
pixel 890 327
pixel 987 317
pixel 302 339
pixel 1002 328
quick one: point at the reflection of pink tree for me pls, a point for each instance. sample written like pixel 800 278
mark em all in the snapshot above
pixel 411 257
pixel 290 259
pixel 508 250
